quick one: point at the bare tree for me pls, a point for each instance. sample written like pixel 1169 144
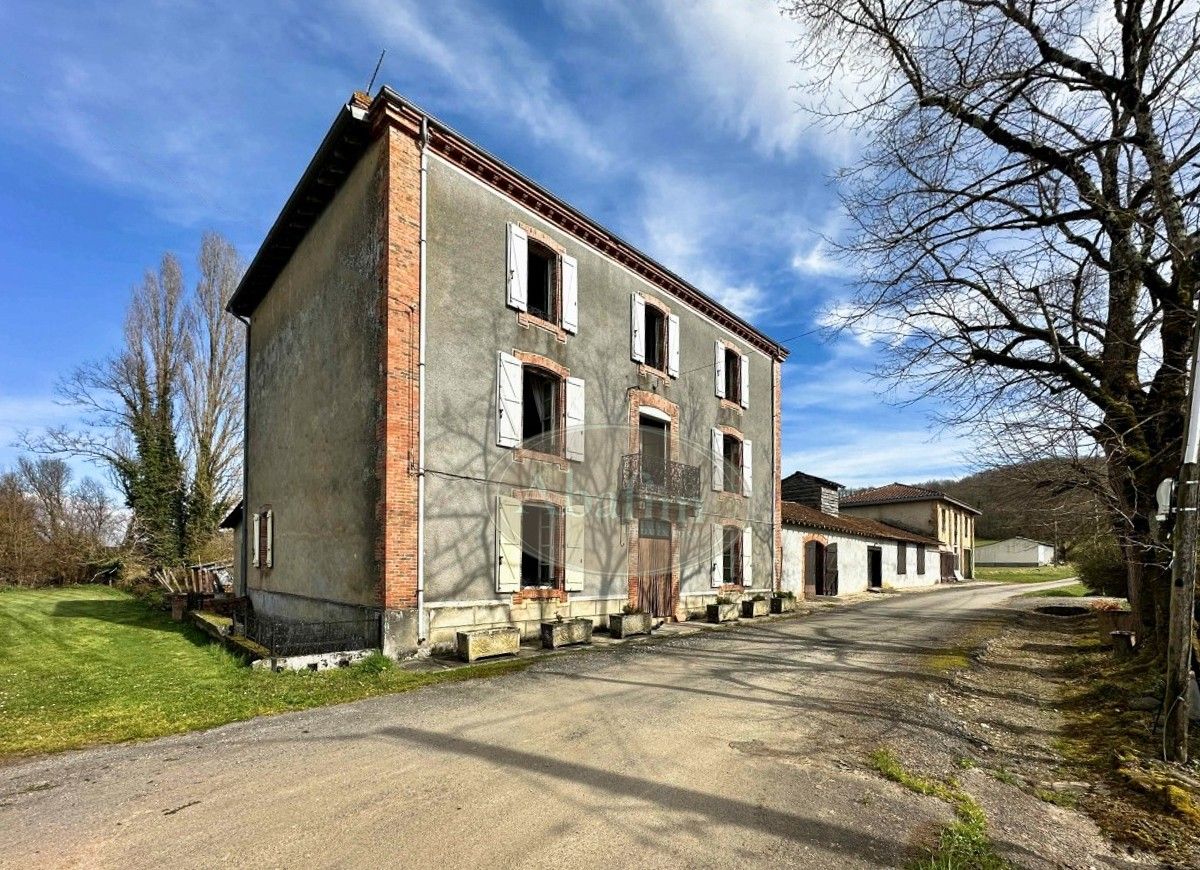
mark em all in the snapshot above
pixel 20 550
pixel 1025 218
pixel 212 391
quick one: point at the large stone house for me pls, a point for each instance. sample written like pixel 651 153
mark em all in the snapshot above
pixel 827 553
pixel 468 404
pixel 924 511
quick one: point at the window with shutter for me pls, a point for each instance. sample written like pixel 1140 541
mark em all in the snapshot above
pixel 637 327
pixel 655 332
pixel 920 558
pixel 747 557
pixel 718 554
pixel 732 563
pixel 747 469
pixel 901 558
pixel 270 546
pixel 673 345
pixel 745 381
pixel 255 525
pixel 732 456
pixel 518 264
pixel 542 281
pixel 508 544
pixel 541 559
pixel 573 556
pixel 733 374
pixel 718 459
pixel 570 294
pixel 575 421
pixel 719 368
pixel 541 411
pixel 509 389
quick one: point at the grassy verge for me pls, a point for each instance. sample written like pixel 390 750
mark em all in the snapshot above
pixel 1074 590
pixel 962 844
pixel 89 665
pixel 1025 575
pixel 1144 803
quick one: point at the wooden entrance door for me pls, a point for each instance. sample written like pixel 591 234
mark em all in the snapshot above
pixel 947 567
pixel 655 595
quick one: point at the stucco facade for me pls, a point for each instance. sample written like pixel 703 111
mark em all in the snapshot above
pixel 1015 552
pixel 853 573
pixel 376 427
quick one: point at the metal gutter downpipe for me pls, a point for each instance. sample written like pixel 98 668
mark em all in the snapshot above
pixel 422 268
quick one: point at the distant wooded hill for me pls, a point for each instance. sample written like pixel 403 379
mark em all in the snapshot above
pixel 1047 500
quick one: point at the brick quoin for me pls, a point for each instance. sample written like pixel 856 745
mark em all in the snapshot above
pixel 399 397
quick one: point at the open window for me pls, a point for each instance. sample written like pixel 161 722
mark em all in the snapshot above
pixel 542 282
pixel 656 338
pixel 541 544
pixel 542 264
pixel 733 373
pixel 731 452
pixel 540 403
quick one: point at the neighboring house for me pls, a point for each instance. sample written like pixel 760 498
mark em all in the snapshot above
pixel 469 405
pixel 827 554
pixel 1015 552
pixel 926 512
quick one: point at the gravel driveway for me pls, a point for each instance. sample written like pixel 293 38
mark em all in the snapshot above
pixel 719 749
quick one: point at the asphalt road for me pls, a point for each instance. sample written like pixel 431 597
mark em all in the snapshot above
pixel 720 749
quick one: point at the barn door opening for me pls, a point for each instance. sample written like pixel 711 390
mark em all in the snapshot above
pixel 814 569
pixel 655 592
pixel 874 568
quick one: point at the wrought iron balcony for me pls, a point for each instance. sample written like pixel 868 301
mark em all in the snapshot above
pixel 652 478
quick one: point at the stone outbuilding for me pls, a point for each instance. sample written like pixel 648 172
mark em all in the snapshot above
pixel 826 553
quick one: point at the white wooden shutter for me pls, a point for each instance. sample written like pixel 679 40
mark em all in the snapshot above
pixel 718 548
pixel 575 431
pixel 745 379
pixel 747 561
pixel 508 400
pixel 570 294
pixel 637 328
pixel 673 345
pixel 257 556
pixel 270 520
pixel 573 557
pixel 518 268
pixel 508 544
pixel 747 467
pixel 718 459
pixel 719 368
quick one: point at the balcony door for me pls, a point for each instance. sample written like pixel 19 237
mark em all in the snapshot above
pixel 655 438
pixel 655 592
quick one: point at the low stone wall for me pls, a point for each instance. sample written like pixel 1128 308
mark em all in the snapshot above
pixel 446 620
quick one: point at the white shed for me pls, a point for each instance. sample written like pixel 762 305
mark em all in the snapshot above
pixel 1016 552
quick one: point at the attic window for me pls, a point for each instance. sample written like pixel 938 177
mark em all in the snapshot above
pixel 542 284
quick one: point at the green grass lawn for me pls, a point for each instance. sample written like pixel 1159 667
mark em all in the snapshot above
pixel 89 664
pixel 1073 590
pixel 1025 575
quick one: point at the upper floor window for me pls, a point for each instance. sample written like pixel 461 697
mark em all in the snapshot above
pixel 656 339
pixel 542 281
pixel 731 463
pixel 653 336
pixel 731 452
pixel 538 407
pixel 732 375
pixel 539 399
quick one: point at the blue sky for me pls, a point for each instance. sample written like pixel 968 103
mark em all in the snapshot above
pixel 128 129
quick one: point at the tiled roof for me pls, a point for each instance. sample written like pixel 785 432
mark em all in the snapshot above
pixel 811 518
pixel 894 493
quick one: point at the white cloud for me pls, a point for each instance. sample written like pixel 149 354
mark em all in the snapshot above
pixel 686 223
pixel 487 66
pixel 739 55
pixel 863 457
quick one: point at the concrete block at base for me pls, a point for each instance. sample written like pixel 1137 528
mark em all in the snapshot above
pixel 483 643
pixel 722 612
pixel 400 633
pixel 783 604
pixel 628 624
pixel 753 607
pixel 566 633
